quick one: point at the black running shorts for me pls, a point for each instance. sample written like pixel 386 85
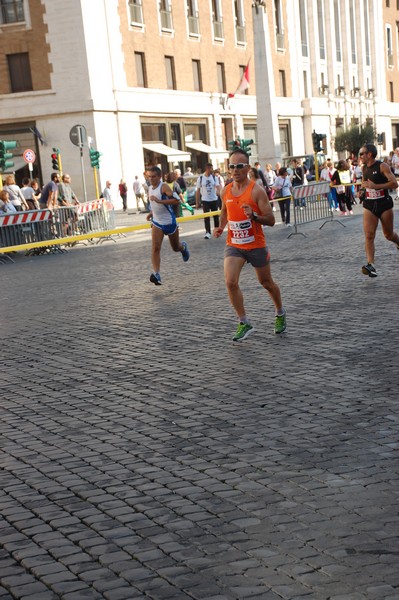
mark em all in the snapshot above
pixel 377 207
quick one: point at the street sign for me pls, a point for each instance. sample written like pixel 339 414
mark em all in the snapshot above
pixel 78 135
pixel 29 156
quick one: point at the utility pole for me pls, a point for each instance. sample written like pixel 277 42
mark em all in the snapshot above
pixel 269 150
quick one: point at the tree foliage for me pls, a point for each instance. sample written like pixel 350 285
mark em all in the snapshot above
pixel 353 138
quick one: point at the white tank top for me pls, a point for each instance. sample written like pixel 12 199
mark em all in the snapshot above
pixel 161 213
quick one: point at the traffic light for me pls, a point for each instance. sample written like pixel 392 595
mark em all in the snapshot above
pixel 317 139
pixel 245 145
pixel 55 160
pixel 5 163
pixel 239 144
pixel 235 144
pixel 94 158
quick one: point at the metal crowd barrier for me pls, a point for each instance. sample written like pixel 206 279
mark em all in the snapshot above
pixel 311 203
pixel 26 227
pixel 43 225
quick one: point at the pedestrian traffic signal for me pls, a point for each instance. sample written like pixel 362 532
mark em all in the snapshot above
pixel 317 139
pixel 95 158
pixel 5 162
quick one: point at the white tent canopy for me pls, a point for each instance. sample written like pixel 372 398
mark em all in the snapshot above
pixel 201 147
pixel 172 154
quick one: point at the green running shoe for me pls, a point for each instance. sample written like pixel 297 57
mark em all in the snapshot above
pixel 280 323
pixel 243 331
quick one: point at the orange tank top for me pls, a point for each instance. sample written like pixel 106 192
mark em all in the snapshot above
pixel 242 232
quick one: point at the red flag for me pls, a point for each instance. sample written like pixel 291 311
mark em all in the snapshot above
pixel 244 83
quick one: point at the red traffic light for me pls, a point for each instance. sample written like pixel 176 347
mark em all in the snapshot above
pixel 54 156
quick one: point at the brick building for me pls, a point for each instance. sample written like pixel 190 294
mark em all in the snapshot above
pixel 149 79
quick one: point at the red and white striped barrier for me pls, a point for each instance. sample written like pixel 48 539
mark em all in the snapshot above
pixel 312 189
pixel 89 206
pixel 30 216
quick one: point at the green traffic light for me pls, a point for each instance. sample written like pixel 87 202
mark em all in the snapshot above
pixel 5 163
pixel 94 158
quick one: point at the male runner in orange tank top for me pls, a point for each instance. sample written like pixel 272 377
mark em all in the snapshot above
pixel 245 209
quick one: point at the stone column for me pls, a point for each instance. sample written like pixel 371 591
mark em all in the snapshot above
pixel 267 117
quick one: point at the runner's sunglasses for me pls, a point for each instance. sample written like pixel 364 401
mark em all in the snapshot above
pixel 238 166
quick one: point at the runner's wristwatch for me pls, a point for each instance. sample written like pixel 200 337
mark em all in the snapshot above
pixel 254 216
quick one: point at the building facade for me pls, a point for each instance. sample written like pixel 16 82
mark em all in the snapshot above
pixel 149 80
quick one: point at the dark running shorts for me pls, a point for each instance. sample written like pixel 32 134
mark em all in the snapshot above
pixel 377 207
pixel 259 257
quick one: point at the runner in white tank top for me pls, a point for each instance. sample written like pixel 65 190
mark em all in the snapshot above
pixel 163 220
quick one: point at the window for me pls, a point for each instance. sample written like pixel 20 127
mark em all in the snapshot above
pixel 352 28
pixel 141 73
pixel 338 53
pixel 302 21
pixel 192 18
pixel 278 18
pixel 136 12
pixel 12 11
pixel 217 20
pixel 239 22
pixel 165 13
pixel 221 78
pixel 320 23
pixel 285 141
pixel 366 32
pixel 170 72
pixel 391 94
pixel 283 86
pixel 197 75
pixel 389 46
pixel 20 73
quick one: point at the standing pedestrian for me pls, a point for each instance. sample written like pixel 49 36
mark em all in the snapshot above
pixel 123 193
pixel 339 178
pixel 378 179
pixel 16 196
pixel 68 198
pixel 207 190
pixel 107 192
pixel 139 192
pixel 162 200
pixel 282 188
pixel 245 210
pixel 29 194
pixel 49 195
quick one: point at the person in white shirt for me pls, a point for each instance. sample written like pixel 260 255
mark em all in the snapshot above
pixel 139 192
pixel 208 191
pixel 395 162
pixel 107 192
pixel 16 196
pixel 325 175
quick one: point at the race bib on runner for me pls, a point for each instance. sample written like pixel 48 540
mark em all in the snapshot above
pixel 374 194
pixel 241 232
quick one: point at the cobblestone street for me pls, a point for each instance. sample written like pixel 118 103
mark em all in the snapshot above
pixel 145 455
